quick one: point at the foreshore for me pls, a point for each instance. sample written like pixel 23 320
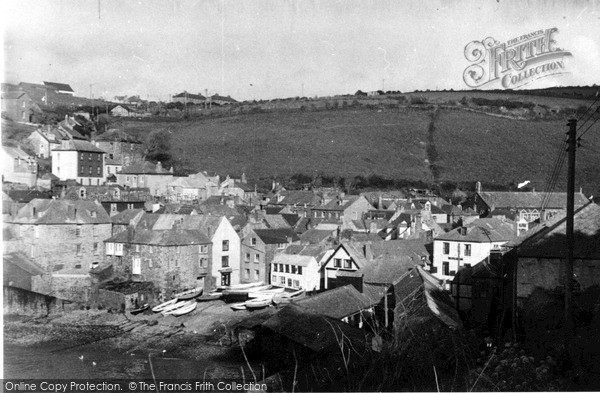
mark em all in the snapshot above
pixel 208 328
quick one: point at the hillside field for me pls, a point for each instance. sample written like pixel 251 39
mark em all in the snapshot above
pixel 461 147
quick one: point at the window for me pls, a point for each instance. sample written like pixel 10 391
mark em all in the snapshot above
pixel 150 264
pixel 110 248
pixel 256 274
pixel 130 206
pixel 446 268
pixel 347 264
pixel 81 170
pixel 282 280
pixel 36 231
pixel 247 257
pixel 82 193
pixel 225 245
pixel 78 249
pixel 296 284
pixel 467 250
pixel 98 170
pixel 287 268
pixel 113 207
pixel 293 269
pixel 225 279
pixel 90 157
pixel 98 157
pixel 446 248
pixel 299 269
pixel 256 258
pixel 137 266
pixel 253 241
pixel 138 248
pixel 202 263
pixel 274 267
pixel 280 246
pixel 225 261
pixel 246 274
pixel 281 267
pixel 90 170
pixel 355 215
pixel 95 248
pixel 32 251
pixel 337 262
pixel 81 157
pixel 203 249
pixel 78 231
pixel 289 282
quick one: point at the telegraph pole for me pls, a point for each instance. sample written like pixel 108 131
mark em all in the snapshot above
pixel 570 235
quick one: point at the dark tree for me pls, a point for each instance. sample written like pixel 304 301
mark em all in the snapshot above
pixel 158 146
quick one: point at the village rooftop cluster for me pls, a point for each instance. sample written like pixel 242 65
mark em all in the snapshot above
pixel 107 229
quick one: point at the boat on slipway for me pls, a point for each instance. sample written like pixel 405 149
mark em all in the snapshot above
pixel 161 307
pixel 287 297
pixel 265 292
pixel 191 306
pixel 192 294
pixel 259 302
pixel 174 307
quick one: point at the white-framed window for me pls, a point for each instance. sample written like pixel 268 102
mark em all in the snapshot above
pixel 110 248
pixel 289 282
pixel 36 230
pixel 247 257
pixel 274 279
pixel 256 274
pixel 225 245
pixel 138 248
pixel 296 283
pixel 337 262
pixel 203 249
pixel 78 249
pixel 355 215
pixel 256 258
pixel 113 207
pixel 293 269
pixel 282 280
pixel 137 266
pixel 253 241
pixel 280 246
pixel 299 269
pixel 467 250
pixel 119 249
pixel 274 267
pixel 347 264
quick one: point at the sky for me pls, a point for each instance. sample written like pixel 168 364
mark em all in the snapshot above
pixel 264 49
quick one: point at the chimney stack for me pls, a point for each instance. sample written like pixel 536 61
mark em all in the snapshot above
pixel 478 187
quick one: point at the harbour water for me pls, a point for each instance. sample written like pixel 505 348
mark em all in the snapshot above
pixel 97 362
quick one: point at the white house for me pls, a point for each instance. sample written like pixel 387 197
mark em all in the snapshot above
pixel 18 166
pixel 296 271
pixel 79 160
pixel 469 245
pixel 347 257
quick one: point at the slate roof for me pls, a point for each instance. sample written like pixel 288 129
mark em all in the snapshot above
pixel 167 237
pixel 125 217
pixel 297 197
pixel 190 95
pixel 221 98
pixel 338 204
pixel 336 303
pixel 316 236
pixel 415 249
pixel 26 196
pixel 58 86
pixel 61 211
pixel 294 259
pixel 291 219
pixel 386 269
pixel 482 230
pixel 276 236
pixel 77 145
pixel 317 332
pixel 21 260
pixel 146 168
pixel 276 221
pixel 549 240
pixel 319 252
pixel 530 200
pixel 17 152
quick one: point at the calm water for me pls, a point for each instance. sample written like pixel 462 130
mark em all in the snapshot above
pixel 40 362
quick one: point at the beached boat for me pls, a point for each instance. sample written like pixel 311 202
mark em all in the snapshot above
pixel 164 305
pixel 170 309
pixel 238 306
pixel 196 292
pixel 244 291
pixel 139 310
pixel 260 302
pixel 191 306
pixel 287 297
pixel 241 286
pixel 265 292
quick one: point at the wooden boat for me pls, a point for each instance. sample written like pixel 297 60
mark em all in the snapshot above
pixel 242 286
pixel 139 310
pixel 164 305
pixel 208 298
pixel 287 297
pixel 171 309
pixel 260 302
pixel 191 306
pixel 263 293
pixel 238 306
pixel 244 291
pixel 191 295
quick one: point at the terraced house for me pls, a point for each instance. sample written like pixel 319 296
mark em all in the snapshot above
pixel 80 161
pixel 64 239
pixel 176 252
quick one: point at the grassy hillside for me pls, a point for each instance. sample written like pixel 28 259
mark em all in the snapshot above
pixel 474 146
pixel 427 145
